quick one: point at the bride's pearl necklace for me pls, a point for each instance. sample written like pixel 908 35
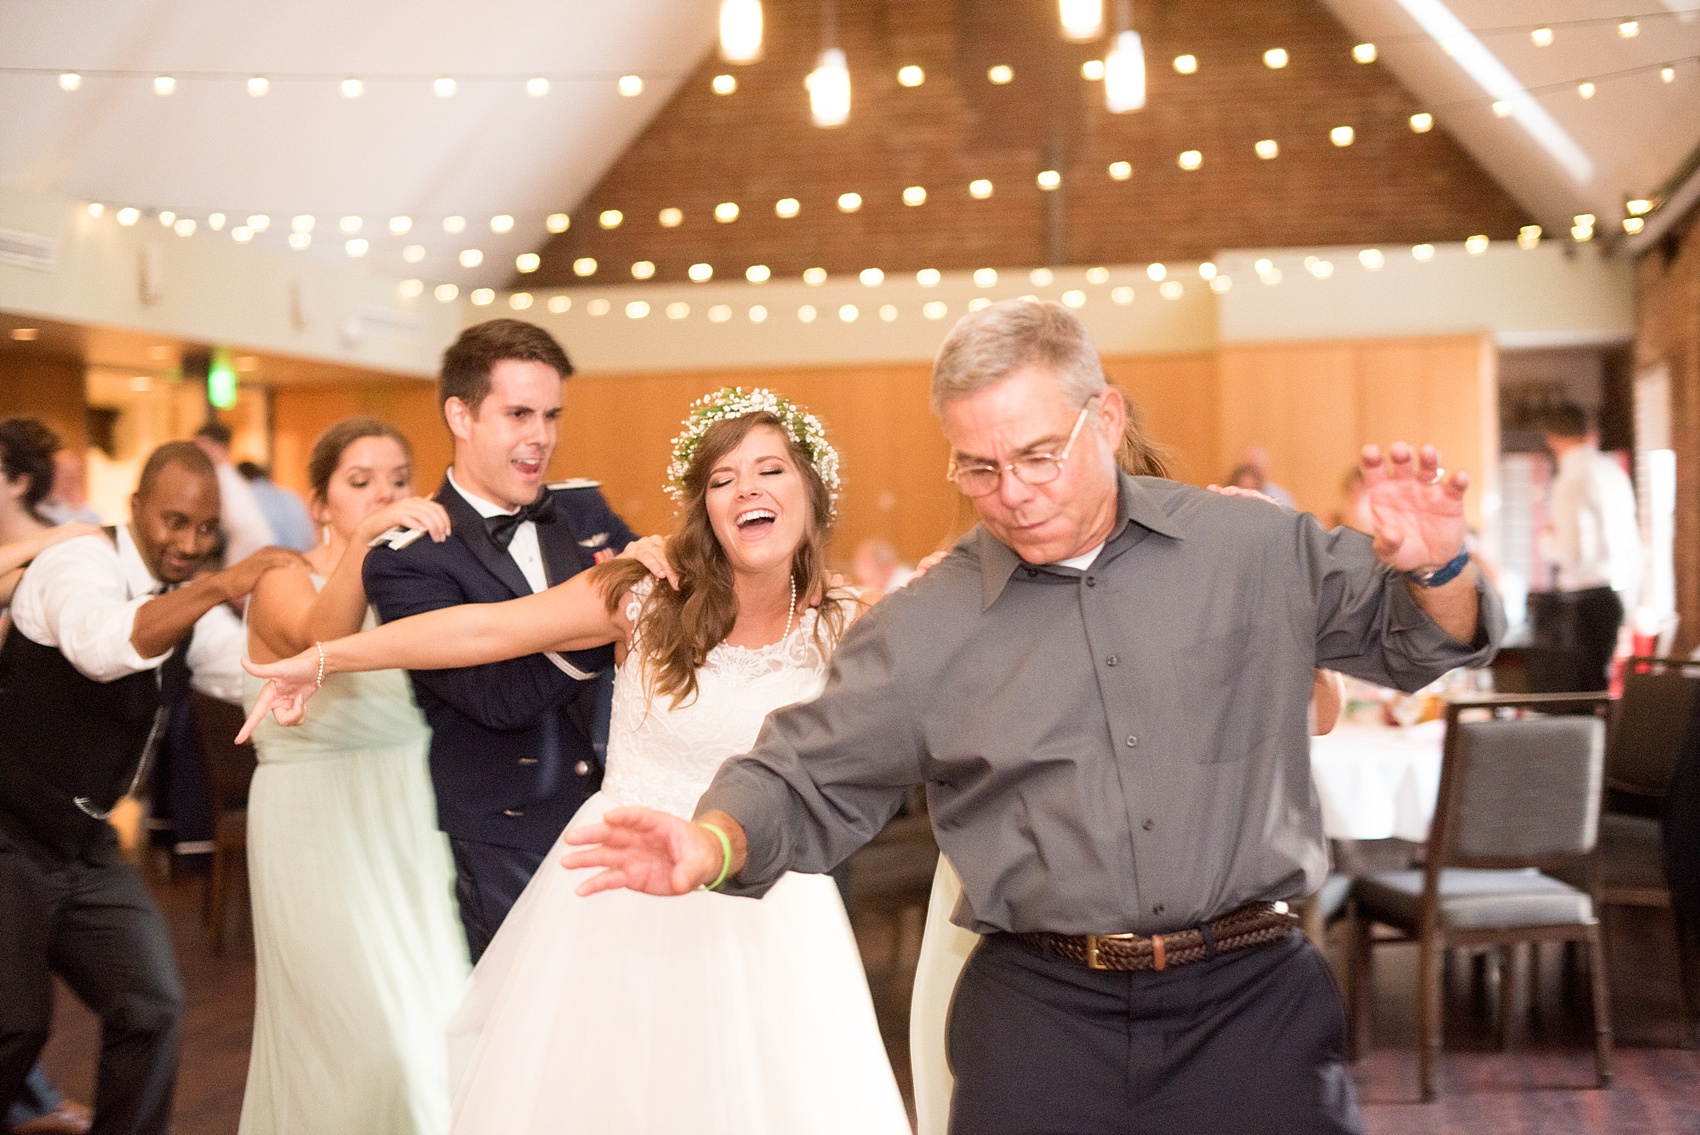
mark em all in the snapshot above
pixel 791 611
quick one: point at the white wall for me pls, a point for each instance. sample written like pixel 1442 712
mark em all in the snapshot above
pixel 216 291
pixel 1553 295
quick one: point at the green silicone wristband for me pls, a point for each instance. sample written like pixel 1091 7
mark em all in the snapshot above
pixel 725 853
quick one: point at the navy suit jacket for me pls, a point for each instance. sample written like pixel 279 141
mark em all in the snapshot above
pixel 513 754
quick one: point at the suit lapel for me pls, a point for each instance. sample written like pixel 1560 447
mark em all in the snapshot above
pixel 468 528
pixel 562 557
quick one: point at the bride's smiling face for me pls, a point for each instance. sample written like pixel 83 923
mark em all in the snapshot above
pixel 757 502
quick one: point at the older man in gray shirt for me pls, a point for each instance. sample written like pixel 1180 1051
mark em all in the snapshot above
pixel 1104 690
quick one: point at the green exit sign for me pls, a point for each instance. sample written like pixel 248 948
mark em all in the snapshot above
pixel 221 380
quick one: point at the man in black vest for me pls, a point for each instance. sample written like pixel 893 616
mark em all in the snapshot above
pixel 108 630
pixel 513 744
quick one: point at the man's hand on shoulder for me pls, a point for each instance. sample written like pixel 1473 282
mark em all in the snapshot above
pixel 237 580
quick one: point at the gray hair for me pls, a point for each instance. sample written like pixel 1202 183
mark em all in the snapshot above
pixel 987 346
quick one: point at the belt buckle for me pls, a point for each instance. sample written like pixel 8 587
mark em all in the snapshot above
pixel 1092 940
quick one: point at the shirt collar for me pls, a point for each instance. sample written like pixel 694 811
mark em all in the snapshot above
pixel 478 503
pixel 138 580
pixel 1135 504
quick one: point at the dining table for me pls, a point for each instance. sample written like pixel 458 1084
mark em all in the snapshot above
pixel 1378 781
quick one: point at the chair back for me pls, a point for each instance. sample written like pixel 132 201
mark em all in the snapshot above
pixel 1521 792
pixel 1659 694
pixel 229 766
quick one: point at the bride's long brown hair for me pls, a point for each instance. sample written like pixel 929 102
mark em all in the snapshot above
pixel 677 629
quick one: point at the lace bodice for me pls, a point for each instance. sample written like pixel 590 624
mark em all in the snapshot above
pixel 663 756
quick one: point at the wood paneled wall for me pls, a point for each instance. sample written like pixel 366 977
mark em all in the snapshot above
pixel 48 389
pixel 1311 405
pixel 1314 405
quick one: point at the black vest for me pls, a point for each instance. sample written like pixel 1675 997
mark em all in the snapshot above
pixel 71 747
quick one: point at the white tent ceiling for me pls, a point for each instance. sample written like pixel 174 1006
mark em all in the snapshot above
pixel 490 149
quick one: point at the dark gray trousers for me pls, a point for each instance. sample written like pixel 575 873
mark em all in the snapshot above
pixel 1247 1042
pixel 92 921
pixel 489 879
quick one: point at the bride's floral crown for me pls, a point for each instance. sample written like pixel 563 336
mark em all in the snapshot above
pixel 734 402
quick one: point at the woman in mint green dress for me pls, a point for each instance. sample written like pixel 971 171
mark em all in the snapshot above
pixel 360 959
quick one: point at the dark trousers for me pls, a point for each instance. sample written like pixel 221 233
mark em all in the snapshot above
pixel 91 921
pixel 488 881
pixel 1574 637
pixel 1251 1041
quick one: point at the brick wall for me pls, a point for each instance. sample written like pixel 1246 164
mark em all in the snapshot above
pixel 1668 332
pixel 757 145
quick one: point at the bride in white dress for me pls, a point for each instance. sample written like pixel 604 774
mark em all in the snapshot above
pixel 620 1012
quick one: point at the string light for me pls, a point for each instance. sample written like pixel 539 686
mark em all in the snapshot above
pixel 353 88
pixel 300 240
pixel 167 218
pixel 670 218
pixel 929 277
pixel 740 30
pixel 1267 148
pixel 1092 70
pixel 914 195
pixel 719 313
pixel 1629 29
pixel 527 262
pixel 70 81
pixel 445 293
pixel 888 312
pixel 413 253
pixel 1048 179
pixel 980 189
pixel 807 313
pixel 1372 259
pixel 471 258
pixel 787 207
pixel 1000 74
pixel 185 226
pixel 1042 277
pixel 537 87
pixel 637 309
pixel 400 226
pixel 1529 236
pixel 164 85
pixel 1190 159
pixel 610 218
pixel 814 277
pixel 242 234
pixel 1156 272
pixel 700 273
pixel 726 212
pixel 848 313
pixel 443 88
pixel 643 270
pixel 1097 275
pixel 1074 298
pixel 1082 20
pixel 349 225
pixel 454 226
pixel 1364 53
pixel 1502 108
pixel 1124 74
pixel 1633 225
pixel 871 277
pixel 520 301
pixel 1121 171
pixel 985 277
pixel 410 289
pixel 1122 295
pixel 302 223
pixel 1318 267
pixel 1276 58
pixel 829 89
pixel 1667 74
pixel 849 202
pixel 1422 122
pixel 258 86
pixel 1422 252
pixel 584 266
pixel 1541 37
pixel 1186 64
pixel 359 246
pixel 1342 136
pixel 128 216
pixel 678 309
pixel 259 222
pixel 482 297
pixel 723 84
pixel 911 76
pixel 758 313
pixel 557 222
pixel 1171 289
pixel 630 86
pixel 1638 206
pixel 758 273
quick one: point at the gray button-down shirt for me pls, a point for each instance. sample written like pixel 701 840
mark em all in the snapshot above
pixel 1123 748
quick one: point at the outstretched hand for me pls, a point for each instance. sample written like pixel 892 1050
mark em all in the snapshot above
pixel 643 850
pixel 289 684
pixel 1417 508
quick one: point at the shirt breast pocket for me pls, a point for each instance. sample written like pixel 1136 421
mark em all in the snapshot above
pixel 1223 696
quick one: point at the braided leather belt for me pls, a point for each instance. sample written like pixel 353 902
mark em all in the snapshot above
pixel 1254 924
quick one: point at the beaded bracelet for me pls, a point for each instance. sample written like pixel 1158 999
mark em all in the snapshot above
pixel 319 682
pixel 725 852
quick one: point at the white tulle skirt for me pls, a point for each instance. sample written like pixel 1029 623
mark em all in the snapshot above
pixel 708 1014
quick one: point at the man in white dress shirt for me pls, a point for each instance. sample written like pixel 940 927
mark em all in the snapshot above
pixel 1593 541
pixel 107 631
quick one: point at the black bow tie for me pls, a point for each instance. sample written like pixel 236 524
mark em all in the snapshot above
pixel 502 528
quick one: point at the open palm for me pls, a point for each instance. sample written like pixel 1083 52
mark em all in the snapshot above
pixel 644 850
pixel 1418 510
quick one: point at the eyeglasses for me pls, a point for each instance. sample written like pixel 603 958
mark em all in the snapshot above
pixel 1029 469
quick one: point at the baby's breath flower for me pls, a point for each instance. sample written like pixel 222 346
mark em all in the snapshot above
pixel 734 402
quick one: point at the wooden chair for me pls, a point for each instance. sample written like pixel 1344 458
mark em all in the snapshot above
pixel 230 767
pixel 1659 696
pixel 1517 796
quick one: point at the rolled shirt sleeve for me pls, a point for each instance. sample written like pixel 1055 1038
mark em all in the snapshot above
pixel 825 775
pixel 74 597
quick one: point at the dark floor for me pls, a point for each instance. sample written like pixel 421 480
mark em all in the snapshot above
pixel 1543 1085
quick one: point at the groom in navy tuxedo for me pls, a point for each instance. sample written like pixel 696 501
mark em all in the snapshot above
pixel 514 745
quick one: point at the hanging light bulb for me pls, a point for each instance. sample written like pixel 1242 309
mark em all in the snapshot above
pixel 740 30
pixel 829 89
pixel 1124 74
pixel 1082 20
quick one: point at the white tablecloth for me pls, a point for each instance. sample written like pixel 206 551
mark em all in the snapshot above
pixel 1377 782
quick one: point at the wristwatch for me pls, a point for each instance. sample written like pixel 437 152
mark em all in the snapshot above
pixel 1446 573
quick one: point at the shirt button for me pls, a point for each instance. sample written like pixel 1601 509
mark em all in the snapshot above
pixel 1149 824
pixel 582 767
pixel 528 760
pixel 1132 741
pixel 1032 573
pixel 1112 660
pixel 512 812
pixel 1158 909
pixel 1092 581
